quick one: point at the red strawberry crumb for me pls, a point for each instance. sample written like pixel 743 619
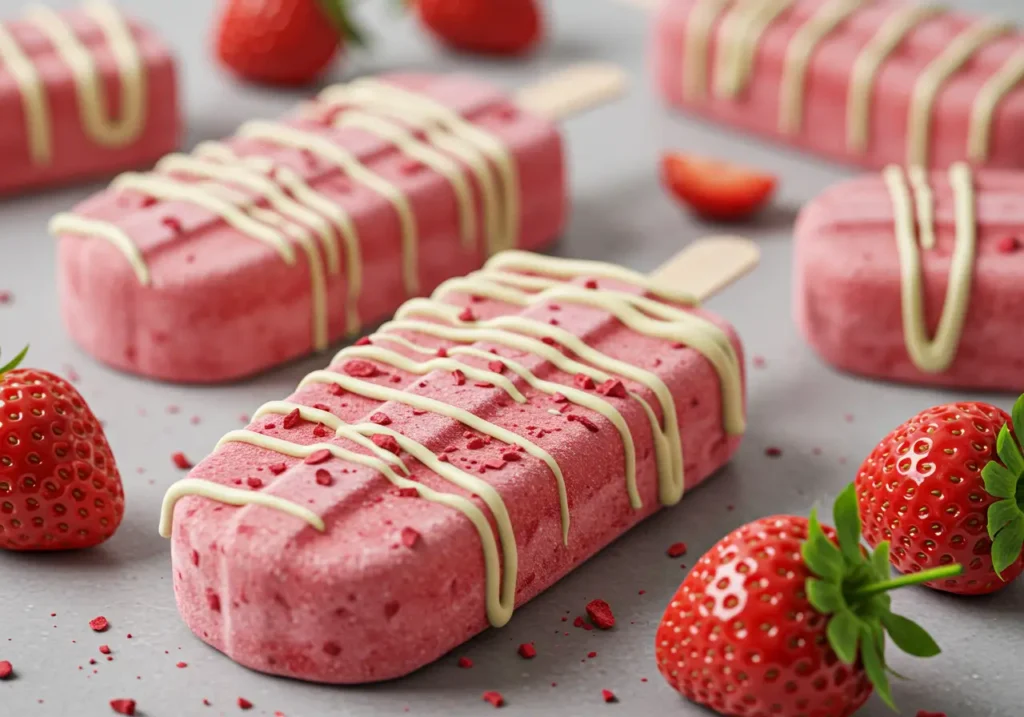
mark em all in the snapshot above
pixel 337 390
pixel 581 623
pixel 244 704
pixel 609 696
pixel 277 468
pixel 181 461
pixel 494 465
pixel 363 341
pixel 174 410
pixel 318 456
pixel 548 340
pixel 254 482
pixel 465 663
pixel 676 550
pixel 360 368
pixel 923 713
pixel 323 477
pixel 410 537
pixel 6 669
pixel 510 456
pixel 495 366
pixel 1008 244
pixel 442 352
pixel 443 458
pixel 483 384
pixel 527 651
pixel 388 443
pixel 600 613
pixel 475 443
pixel 123 707
pixel 612 387
pixel 590 284
pixel 105 649
pixel 460 378
pixel 6 297
pixel 584 421
pixel 494 698
pixel 172 223
pixel 558 398
pixel 206 702
pixel 99 624
pixel 591 655
pixel 467 315
pixel 583 381
pixel 320 430
pixel 381 419
pixel 181 665
pixel 759 362
pixel 476 299
pixel 406 492
pixel 773 451
pixel 292 419
pixel 641 592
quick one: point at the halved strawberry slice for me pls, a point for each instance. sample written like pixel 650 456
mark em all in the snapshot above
pixel 714 189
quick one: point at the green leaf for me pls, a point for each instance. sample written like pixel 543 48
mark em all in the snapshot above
pixel 1002 513
pixel 844 513
pixel 820 554
pixel 999 481
pixel 1017 414
pixel 1006 548
pixel 843 631
pixel 338 13
pixel 1009 451
pixel 826 598
pixel 14 362
pixel 880 561
pixel 874 665
pixel 909 636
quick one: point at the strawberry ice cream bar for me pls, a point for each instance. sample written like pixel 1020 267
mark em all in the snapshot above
pixel 294 234
pixel 915 277
pixel 451 467
pixel 83 93
pixel 859 81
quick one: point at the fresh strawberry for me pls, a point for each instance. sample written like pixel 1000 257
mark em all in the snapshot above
pixel 499 27
pixel 946 487
pixel 59 485
pixel 784 617
pixel 282 42
pixel 714 189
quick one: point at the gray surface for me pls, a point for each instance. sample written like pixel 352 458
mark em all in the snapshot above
pixel 825 423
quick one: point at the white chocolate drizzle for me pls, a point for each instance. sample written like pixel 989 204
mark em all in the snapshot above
pixel 739 40
pixel 983 113
pixel 501 280
pixel 101 129
pixel 933 355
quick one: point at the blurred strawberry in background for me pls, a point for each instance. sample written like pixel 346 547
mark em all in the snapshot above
pixel 494 27
pixel 282 42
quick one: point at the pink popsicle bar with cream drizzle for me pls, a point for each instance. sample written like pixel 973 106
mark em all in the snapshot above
pixel 868 82
pixel 83 93
pixel 916 276
pixel 292 234
pixel 475 450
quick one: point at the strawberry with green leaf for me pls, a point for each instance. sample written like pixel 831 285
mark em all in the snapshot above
pixel 786 617
pixel 945 487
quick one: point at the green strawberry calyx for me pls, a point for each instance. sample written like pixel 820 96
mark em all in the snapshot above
pixel 851 586
pixel 1004 479
pixel 338 13
pixel 14 362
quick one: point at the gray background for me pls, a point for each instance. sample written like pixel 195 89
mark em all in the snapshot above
pixel 825 423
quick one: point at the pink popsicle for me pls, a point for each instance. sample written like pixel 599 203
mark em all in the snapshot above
pixel 853 285
pixel 291 235
pixel 867 83
pixel 532 376
pixel 83 93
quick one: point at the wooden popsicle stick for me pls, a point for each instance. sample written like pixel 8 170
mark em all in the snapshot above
pixel 573 90
pixel 708 265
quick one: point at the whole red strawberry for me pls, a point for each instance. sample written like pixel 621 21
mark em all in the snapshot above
pixel 282 42
pixel 945 487
pixel 781 618
pixel 500 27
pixel 59 485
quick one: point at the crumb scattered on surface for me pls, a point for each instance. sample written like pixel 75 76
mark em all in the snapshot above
pixel 676 550
pixel 773 451
pixel 99 624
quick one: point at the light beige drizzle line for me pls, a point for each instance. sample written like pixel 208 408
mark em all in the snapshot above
pixel 739 41
pixel 700 24
pixel 422 152
pixel 424 403
pixel 937 354
pixel 314 200
pixel 461 138
pixel 798 57
pixel 865 70
pixel 230 496
pixel 928 85
pixel 983 113
pixel 101 129
pixel 924 201
pixel 346 161
pixel 66 223
pixel 595 403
